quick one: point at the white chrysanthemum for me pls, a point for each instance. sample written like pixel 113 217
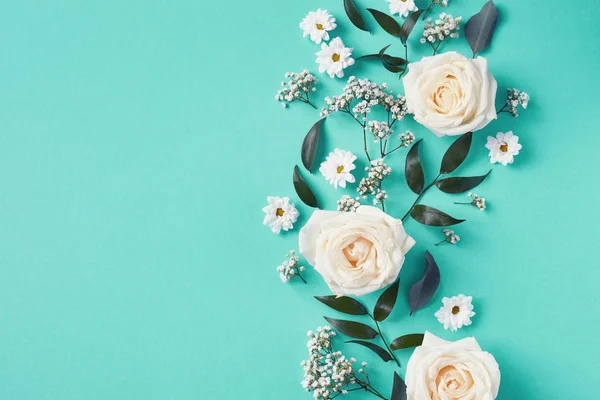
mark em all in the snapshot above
pixel 503 147
pixel 456 312
pixel 337 168
pixel 317 24
pixel 280 214
pixel 402 7
pixel 334 58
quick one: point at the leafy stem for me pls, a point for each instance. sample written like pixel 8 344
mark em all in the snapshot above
pixel 503 109
pixel 383 339
pixel 420 196
pixel 426 13
pixel 406 59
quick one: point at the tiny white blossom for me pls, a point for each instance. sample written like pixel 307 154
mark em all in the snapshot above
pixel 334 58
pixel 337 168
pixel 451 237
pixel 347 203
pixel 402 7
pixel 514 99
pixel 456 312
pixel 317 24
pixel 503 148
pixel 290 269
pixel 298 87
pixel 280 214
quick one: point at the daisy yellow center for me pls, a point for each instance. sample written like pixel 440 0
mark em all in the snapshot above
pixel 320 27
pixel 335 57
pixel 340 169
pixel 279 212
pixel 455 310
pixel 504 147
pixel 404 1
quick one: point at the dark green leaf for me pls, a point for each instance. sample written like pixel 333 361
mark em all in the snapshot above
pixel 388 66
pixel 386 302
pixel 432 216
pixel 354 15
pixel 422 291
pixel 397 61
pixel 380 351
pixel 353 329
pixel 303 191
pixel 388 23
pixel 480 28
pixel 344 304
pixel 408 25
pixel 456 153
pixel 310 144
pixel 460 184
pixel 407 341
pixel 399 389
pixel 413 170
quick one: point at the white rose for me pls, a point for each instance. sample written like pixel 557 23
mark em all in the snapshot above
pixel 441 370
pixel 355 252
pixel 451 94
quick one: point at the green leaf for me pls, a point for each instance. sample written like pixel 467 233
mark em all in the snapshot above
pixel 353 329
pixel 480 28
pixel 407 341
pixel 399 388
pixel 431 216
pixel 408 25
pixel 413 170
pixel 397 61
pixel 388 66
pixel 380 351
pixel 344 304
pixel 460 184
pixel 388 23
pixel 303 191
pixel 386 302
pixel 354 15
pixel 456 153
pixel 310 144
pixel 422 291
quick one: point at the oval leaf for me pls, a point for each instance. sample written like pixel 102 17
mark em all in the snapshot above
pixel 456 153
pixel 460 184
pixel 408 25
pixel 380 351
pixel 354 15
pixel 399 389
pixel 413 170
pixel 388 23
pixel 344 304
pixel 353 329
pixel 480 28
pixel 386 302
pixel 310 144
pixel 389 67
pixel 303 191
pixel 422 291
pixel 432 216
pixel 397 61
pixel 407 341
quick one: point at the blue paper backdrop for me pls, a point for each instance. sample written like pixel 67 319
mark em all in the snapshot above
pixel 139 140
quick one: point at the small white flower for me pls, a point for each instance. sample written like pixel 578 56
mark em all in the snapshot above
pixel 337 168
pixel 317 24
pixel 503 147
pixel 280 214
pixel 456 312
pixel 334 58
pixel 402 7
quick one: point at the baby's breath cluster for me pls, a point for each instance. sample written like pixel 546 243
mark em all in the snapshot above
pixel 380 130
pixel 450 237
pixel 406 138
pixel 347 203
pixel 290 269
pixel 514 99
pixel 476 201
pixel 376 173
pixel 435 32
pixel 298 87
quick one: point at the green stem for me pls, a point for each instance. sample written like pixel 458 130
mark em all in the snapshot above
pixel 384 341
pixel 420 195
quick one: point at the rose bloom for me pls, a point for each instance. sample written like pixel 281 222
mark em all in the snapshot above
pixel 355 252
pixel 451 94
pixel 441 370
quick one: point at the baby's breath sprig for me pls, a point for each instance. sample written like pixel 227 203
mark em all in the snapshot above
pixel 450 237
pixel 299 87
pixel 376 173
pixel 444 27
pixel 290 269
pixel 514 99
pixel 347 203
pixel 440 3
pixel 477 201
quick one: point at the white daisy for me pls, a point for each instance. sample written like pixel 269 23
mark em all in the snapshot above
pixel 280 214
pixel 334 58
pixel 503 147
pixel 337 168
pixel 402 7
pixel 317 24
pixel 456 312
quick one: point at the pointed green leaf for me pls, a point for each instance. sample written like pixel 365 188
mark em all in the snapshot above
pixel 354 15
pixel 310 144
pixel 343 304
pixel 380 351
pixel 422 291
pixel 386 302
pixel 399 388
pixel 460 184
pixel 388 23
pixel 407 341
pixel 396 61
pixel 456 153
pixel 480 28
pixel 431 216
pixel 408 25
pixel 353 329
pixel 388 66
pixel 413 170
pixel 303 190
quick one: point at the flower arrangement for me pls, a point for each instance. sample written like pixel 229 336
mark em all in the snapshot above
pixel 360 248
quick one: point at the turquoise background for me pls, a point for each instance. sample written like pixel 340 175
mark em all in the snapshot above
pixel 140 140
